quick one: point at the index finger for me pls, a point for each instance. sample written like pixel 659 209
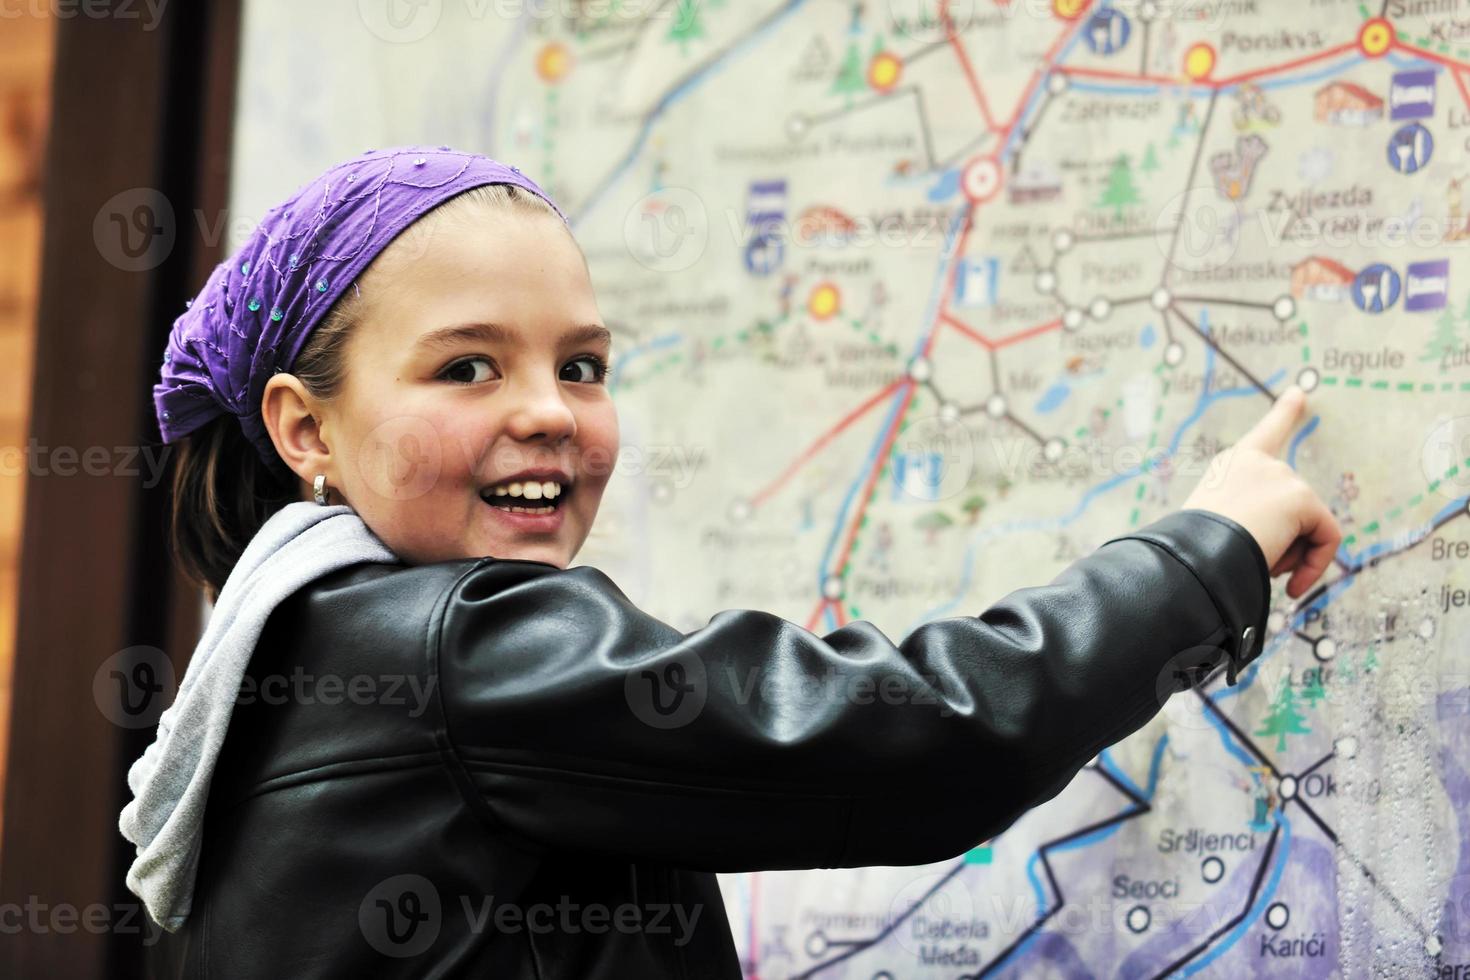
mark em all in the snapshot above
pixel 1269 435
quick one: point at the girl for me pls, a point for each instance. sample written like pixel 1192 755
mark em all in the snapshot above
pixel 414 742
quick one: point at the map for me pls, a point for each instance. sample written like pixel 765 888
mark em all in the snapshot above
pixel 918 302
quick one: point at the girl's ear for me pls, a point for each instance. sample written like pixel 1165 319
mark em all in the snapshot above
pixel 291 416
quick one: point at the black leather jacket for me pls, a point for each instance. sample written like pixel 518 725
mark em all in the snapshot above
pixel 554 777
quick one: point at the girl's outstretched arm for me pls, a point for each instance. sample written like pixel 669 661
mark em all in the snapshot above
pixel 574 720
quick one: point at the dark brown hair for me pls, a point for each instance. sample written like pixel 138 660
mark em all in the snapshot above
pixel 223 492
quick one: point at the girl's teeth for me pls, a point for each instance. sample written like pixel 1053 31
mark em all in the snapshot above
pixel 548 509
pixel 530 491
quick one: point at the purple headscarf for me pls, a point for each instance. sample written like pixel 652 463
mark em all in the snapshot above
pixel 258 307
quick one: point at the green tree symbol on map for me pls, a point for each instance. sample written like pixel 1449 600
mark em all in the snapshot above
pixel 1446 337
pixel 850 77
pixel 688 23
pixel 973 508
pixel 1150 160
pixel 1121 190
pixel 1284 718
pixel 932 523
pixel 1313 690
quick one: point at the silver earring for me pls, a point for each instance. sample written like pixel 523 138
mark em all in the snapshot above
pixel 319 489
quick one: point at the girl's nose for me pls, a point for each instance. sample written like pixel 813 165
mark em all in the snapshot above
pixel 540 411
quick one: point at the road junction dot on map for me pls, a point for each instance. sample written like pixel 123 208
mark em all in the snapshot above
pixel 825 301
pixel 885 71
pixel 981 179
pixel 1376 37
pixel 553 62
pixel 1199 62
pixel 1278 915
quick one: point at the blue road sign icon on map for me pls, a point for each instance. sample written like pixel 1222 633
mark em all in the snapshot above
pixel 764 254
pixel 1410 148
pixel 1107 32
pixel 976 282
pixel 1427 286
pixel 918 475
pixel 765 206
pixel 1376 289
pixel 1412 95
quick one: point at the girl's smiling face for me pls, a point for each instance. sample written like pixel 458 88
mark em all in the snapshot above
pixel 479 355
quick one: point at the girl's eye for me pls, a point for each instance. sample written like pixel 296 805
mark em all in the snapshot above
pixel 599 369
pixel 463 372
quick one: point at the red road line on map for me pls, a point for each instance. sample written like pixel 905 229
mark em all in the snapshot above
pixel 1005 341
pixel 1284 66
pixel 959 50
pixel 1460 83
pixel 878 463
pixel 811 621
pixel 841 619
pixel 1425 53
pixel 1027 334
pixel 823 440
pixel 910 388
pixel 968 331
pixel 1121 76
pixel 1047 65
pixel 1217 83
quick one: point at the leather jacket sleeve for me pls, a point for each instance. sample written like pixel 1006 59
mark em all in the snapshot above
pixel 576 721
